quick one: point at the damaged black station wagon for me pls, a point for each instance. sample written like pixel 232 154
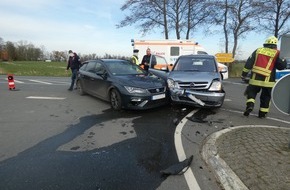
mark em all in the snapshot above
pixel 122 83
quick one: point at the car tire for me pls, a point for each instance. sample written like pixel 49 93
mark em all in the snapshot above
pixel 80 88
pixel 115 99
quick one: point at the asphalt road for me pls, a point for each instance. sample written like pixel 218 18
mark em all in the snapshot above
pixel 52 138
pixel 55 139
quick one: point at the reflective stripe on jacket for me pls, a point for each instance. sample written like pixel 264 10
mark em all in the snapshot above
pixel 265 61
pixel 135 60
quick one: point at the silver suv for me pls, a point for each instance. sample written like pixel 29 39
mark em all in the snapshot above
pixel 195 80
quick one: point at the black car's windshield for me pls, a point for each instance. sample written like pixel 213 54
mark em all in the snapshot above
pixel 123 68
pixel 195 64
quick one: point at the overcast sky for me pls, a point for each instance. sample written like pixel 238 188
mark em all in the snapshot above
pixel 87 26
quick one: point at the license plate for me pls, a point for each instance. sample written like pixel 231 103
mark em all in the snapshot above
pixel 157 97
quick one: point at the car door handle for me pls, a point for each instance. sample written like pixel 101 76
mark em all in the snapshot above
pixel 92 79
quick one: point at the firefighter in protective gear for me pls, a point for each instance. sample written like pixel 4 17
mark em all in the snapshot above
pixel 134 58
pixel 263 64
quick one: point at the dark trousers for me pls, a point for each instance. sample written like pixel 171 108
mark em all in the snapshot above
pixel 265 97
pixel 73 78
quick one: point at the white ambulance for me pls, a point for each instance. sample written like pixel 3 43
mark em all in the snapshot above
pixel 171 50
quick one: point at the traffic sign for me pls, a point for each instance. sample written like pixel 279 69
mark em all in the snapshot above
pixel 224 57
pixel 281 94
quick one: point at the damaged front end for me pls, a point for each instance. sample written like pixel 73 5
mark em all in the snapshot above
pixel 197 94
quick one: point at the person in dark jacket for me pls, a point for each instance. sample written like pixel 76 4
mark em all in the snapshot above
pixel 146 60
pixel 263 64
pixel 73 64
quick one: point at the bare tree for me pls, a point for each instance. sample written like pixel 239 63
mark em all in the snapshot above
pixel 1 48
pixel 1 44
pixel 198 14
pixel 275 17
pixel 181 16
pixel 176 15
pixel 11 50
pixel 222 9
pixel 149 14
pixel 238 17
pixel 58 55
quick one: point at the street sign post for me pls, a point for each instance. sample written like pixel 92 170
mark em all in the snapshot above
pixel 285 46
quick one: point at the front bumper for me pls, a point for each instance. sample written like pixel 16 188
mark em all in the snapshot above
pixel 144 102
pixel 197 98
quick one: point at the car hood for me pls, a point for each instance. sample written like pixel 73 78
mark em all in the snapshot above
pixel 141 81
pixel 188 76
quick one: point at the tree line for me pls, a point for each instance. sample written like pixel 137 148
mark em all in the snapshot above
pixel 24 51
pixel 234 19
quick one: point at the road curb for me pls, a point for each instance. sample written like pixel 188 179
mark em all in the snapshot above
pixel 228 179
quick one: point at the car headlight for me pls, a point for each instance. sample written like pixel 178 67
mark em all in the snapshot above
pixel 172 84
pixel 215 86
pixel 224 69
pixel 135 90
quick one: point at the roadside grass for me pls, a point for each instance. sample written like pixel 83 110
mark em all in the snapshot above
pixel 57 69
pixel 235 69
pixel 34 68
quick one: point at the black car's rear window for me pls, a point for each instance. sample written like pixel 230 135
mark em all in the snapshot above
pixel 195 64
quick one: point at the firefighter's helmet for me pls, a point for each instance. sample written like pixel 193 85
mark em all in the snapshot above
pixel 271 40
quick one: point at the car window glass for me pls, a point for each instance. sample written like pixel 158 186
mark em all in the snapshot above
pixel 83 66
pixel 91 67
pixel 99 68
pixel 174 51
pixel 196 64
pixel 124 68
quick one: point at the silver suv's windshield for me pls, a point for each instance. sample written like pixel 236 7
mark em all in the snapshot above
pixel 195 64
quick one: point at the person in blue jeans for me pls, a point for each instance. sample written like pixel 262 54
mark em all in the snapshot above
pixel 74 64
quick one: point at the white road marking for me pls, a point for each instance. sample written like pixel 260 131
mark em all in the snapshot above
pixel 16 81
pixel 45 98
pixel 189 176
pixel 38 81
pixel 271 118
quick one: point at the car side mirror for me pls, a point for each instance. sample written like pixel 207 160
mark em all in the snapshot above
pixel 102 73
